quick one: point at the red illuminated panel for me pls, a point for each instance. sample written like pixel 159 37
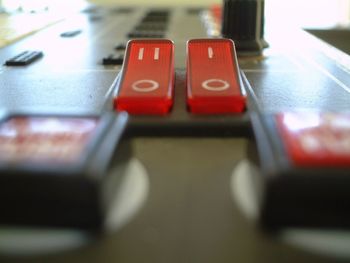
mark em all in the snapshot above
pixel 316 139
pixel 147 82
pixel 213 80
pixel 45 139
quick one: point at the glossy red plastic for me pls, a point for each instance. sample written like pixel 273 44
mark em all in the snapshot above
pixel 314 139
pixel 213 80
pixel 147 79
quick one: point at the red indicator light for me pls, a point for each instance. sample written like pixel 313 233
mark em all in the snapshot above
pixel 45 139
pixel 316 139
pixel 147 79
pixel 213 80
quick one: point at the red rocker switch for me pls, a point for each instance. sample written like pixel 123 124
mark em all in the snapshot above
pixel 147 78
pixel 213 79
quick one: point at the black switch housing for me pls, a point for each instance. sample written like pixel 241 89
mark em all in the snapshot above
pixel 243 22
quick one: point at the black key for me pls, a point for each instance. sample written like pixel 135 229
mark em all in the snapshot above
pixel 158 13
pixel 194 11
pixel 122 10
pixel 91 10
pixel 113 60
pixel 72 33
pixel 151 27
pixel 120 47
pixel 25 58
pixel 142 34
pixel 95 18
pixel 155 19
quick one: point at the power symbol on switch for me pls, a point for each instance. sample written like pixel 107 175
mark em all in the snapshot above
pixel 145 85
pixel 215 85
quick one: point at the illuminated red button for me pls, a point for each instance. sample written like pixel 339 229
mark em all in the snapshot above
pixel 213 80
pixel 316 139
pixel 147 80
pixel 45 139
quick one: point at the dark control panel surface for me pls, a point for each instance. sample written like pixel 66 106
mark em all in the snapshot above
pixel 189 169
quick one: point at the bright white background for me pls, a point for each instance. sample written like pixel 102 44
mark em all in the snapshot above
pixel 306 13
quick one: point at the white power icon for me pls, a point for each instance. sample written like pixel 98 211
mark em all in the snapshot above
pixel 207 84
pixel 153 85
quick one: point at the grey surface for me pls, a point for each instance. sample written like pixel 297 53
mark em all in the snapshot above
pixel 338 37
pixel 189 215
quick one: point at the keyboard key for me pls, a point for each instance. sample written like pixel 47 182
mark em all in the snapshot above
pixel 113 60
pixel 120 47
pixel 25 58
pixel 146 34
pixel 72 33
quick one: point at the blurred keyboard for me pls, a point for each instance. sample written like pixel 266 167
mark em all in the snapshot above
pixel 17 26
